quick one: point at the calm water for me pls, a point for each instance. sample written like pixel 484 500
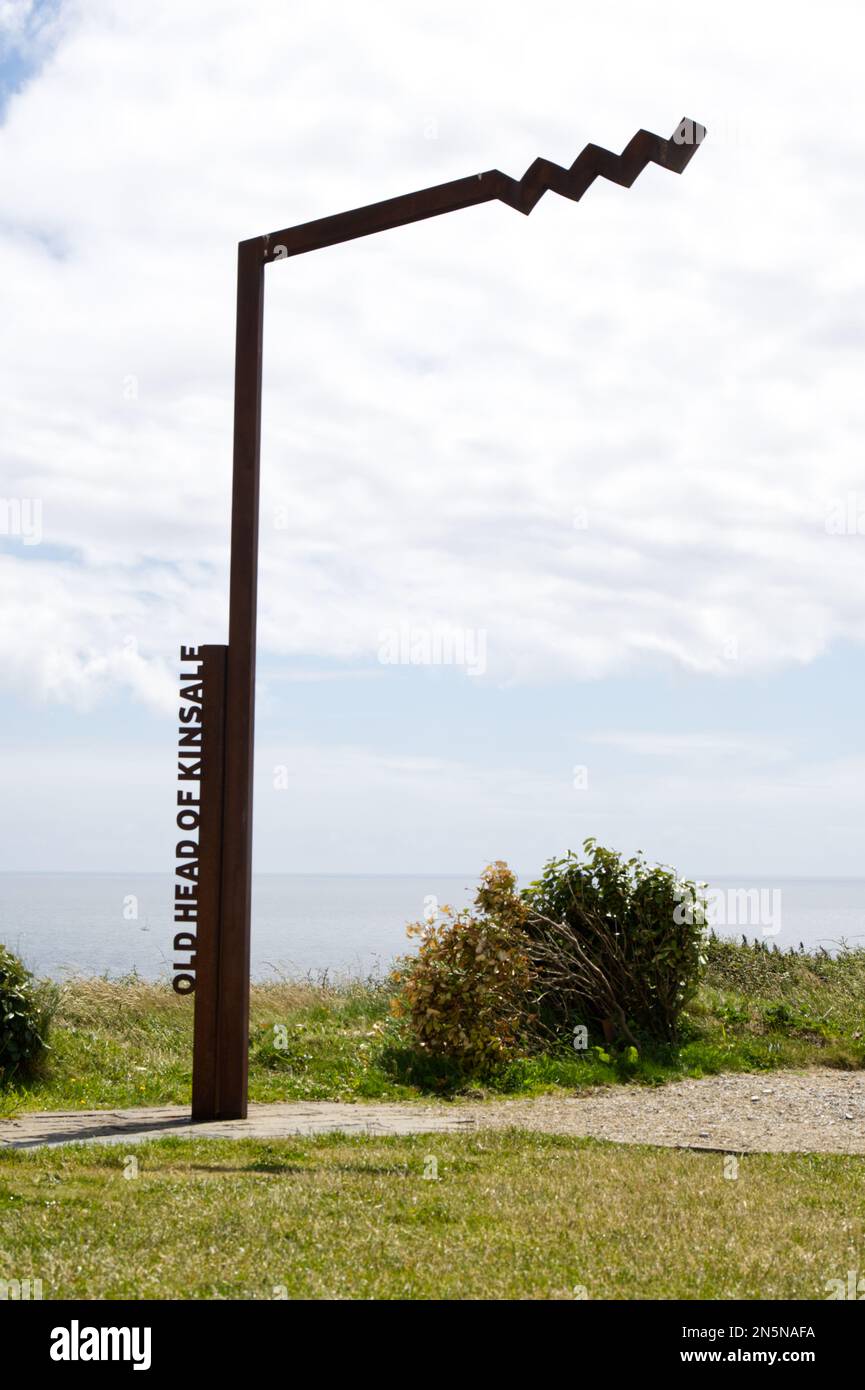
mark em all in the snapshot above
pixel 83 923
pixel 62 923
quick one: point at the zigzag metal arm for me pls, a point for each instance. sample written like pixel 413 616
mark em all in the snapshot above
pixel 593 162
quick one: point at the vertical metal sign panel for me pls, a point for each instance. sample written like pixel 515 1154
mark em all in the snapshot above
pixel 206 1048
pixel 235 910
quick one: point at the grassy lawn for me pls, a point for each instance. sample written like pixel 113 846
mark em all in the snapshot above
pixel 512 1215
pixel 124 1043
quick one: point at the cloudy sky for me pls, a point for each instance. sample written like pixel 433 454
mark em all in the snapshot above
pixel 614 449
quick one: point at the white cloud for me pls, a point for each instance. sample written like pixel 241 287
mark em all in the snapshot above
pixel 680 360
pixel 705 745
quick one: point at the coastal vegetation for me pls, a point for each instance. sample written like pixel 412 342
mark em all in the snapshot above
pixel 26 1007
pixel 126 1042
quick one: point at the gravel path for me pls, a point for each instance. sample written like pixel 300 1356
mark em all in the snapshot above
pixel 815 1111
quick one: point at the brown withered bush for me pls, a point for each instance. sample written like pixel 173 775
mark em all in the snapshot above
pixel 465 993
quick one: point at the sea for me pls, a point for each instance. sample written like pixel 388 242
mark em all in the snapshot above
pixel 311 925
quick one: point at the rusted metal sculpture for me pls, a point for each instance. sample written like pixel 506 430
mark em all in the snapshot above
pixel 222 935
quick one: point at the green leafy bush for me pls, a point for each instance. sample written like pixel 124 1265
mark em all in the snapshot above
pixel 615 941
pixel 25 1010
pixel 466 992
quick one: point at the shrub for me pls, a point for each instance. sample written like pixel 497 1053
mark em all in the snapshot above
pixel 465 992
pixel 614 941
pixel 602 941
pixel 24 1016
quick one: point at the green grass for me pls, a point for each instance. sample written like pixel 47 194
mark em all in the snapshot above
pixel 127 1042
pixel 512 1215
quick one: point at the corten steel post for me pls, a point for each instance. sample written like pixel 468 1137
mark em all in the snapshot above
pixel 222 988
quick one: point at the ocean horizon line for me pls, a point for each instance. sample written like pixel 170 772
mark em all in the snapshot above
pixel 739 876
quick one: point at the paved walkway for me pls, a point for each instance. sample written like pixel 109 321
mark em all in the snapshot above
pixel 280 1121
pixel 816 1111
